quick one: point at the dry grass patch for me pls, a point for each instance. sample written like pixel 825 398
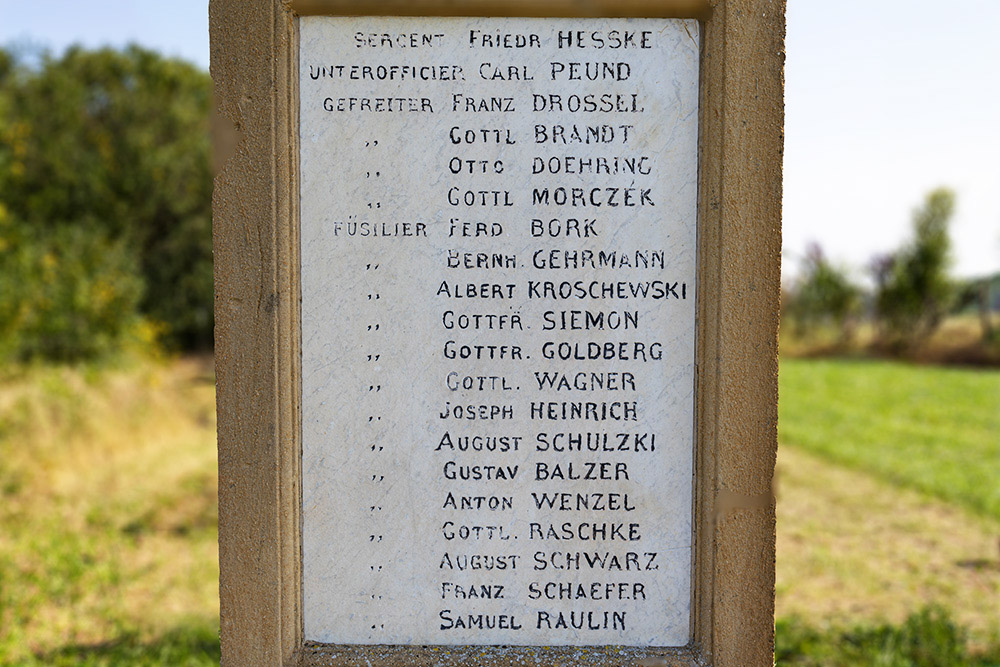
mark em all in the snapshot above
pixel 108 505
pixel 852 548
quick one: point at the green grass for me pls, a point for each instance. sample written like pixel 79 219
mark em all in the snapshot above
pixel 108 515
pixel 933 429
pixel 853 549
pixel 928 638
pixel 192 645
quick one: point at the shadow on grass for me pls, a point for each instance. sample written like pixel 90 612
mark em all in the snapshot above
pixel 928 638
pixel 191 645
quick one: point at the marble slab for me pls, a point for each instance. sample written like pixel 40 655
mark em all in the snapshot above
pixel 498 228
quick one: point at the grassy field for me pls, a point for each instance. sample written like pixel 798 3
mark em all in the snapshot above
pixel 933 429
pixel 853 548
pixel 886 503
pixel 108 537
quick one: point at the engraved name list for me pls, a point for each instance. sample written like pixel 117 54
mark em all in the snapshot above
pixel 498 229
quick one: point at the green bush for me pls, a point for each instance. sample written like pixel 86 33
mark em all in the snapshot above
pixel 115 145
pixel 65 295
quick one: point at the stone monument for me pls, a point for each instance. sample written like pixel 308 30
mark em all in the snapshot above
pixel 497 296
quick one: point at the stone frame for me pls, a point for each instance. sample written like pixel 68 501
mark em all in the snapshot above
pixel 256 244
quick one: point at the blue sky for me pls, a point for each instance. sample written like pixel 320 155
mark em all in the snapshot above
pixel 177 27
pixel 885 100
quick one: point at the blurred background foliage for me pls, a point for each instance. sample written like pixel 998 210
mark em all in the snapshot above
pixel 105 203
pixel 912 307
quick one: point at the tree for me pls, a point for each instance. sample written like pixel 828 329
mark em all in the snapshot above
pixel 913 288
pixel 823 295
pixel 116 144
pixel 977 294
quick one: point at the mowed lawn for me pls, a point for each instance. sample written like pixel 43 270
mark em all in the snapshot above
pixel 932 429
pixel 856 550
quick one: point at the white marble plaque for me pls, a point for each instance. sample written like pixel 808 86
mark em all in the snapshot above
pixel 498 329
